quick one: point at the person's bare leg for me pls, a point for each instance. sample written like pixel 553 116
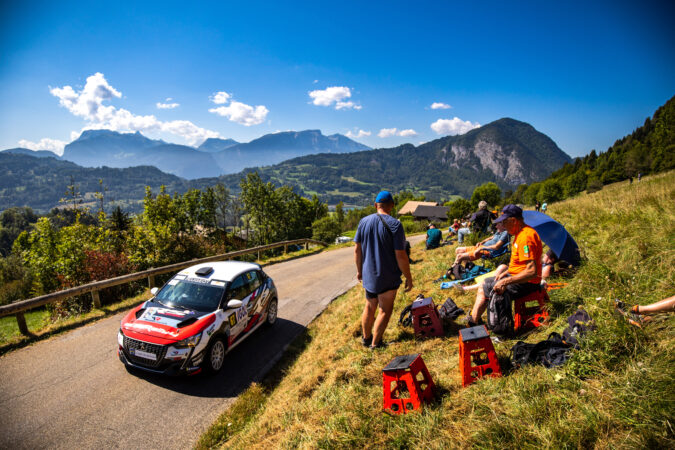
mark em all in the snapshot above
pixel 480 305
pixel 500 270
pixel 462 257
pixel 368 318
pixel 386 304
pixel 665 305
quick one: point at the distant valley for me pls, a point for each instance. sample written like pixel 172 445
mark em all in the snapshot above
pixel 507 151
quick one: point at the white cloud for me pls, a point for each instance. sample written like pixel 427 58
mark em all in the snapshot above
pixel 439 105
pixel 360 134
pixel 53 145
pixel 242 114
pixel 389 132
pixel 220 98
pixel 453 126
pixel 238 112
pixel 167 105
pixel 334 95
pixel 88 104
pixel 407 133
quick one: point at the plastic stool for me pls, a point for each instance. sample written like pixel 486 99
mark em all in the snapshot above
pixel 406 383
pixel 477 357
pixel 532 316
pixel 426 320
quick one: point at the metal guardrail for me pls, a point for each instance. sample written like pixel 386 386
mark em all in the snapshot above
pixel 18 308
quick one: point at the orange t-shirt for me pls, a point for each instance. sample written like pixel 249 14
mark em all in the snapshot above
pixel 526 247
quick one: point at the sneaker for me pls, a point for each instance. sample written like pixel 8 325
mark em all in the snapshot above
pixel 468 321
pixel 366 342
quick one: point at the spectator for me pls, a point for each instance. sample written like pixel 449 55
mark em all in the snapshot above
pixel 544 207
pixel 484 248
pixel 524 271
pixel 462 232
pixel 454 227
pixel 481 218
pixel 434 236
pixel 380 259
pixel 537 206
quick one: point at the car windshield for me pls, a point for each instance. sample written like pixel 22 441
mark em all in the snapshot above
pixel 196 296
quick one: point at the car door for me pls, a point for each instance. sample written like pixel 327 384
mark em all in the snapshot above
pixel 255 280
pixel 238 319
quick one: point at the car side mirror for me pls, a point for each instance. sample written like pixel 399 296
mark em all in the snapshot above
pixel 154 291
pixel 234 304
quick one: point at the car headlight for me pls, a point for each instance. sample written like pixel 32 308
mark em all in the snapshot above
pixel 192 341
pixel 120 338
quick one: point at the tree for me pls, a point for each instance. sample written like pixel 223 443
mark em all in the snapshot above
pixel 488 192
pixel 550 191
pixel 575 183
pixel 340 214
pixel 531 194
pixel 326 229
pixel 459 208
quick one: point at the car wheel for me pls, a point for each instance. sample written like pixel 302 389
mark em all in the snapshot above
pixel 215 356
pixel 272 310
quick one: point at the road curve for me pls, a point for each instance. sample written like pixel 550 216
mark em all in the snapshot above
pixel 72 392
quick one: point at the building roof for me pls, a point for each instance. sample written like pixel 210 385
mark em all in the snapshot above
pixel 410 206
pixel 431 212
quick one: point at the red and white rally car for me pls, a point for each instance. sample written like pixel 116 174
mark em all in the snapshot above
pixel 200 314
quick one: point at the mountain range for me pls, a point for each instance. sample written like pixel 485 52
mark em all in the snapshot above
pixel 99 148
pixel 507 151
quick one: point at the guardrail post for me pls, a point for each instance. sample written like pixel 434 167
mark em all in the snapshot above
pixel 258 255
pixel 21 321
pixel 151 281
pixel 96 299
pixel 306 245
pixel 285 249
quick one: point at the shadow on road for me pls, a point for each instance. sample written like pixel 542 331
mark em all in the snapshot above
pixel 247 363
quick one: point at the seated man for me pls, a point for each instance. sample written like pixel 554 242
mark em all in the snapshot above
pixel 524 272
pixel 433 237
pixel 480 220
pixel 486 247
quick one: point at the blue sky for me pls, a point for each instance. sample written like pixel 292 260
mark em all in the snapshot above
pixel 584 73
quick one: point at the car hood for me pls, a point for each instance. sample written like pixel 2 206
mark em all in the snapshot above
pixel 164 324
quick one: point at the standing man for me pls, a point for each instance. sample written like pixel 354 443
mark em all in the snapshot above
pixel 380 260
pixel 524 273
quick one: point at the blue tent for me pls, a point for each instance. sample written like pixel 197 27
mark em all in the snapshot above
pixel 554 235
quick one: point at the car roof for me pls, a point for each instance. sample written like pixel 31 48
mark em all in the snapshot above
pixel 222 270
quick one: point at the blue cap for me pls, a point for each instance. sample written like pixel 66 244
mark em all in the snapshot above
pixel 384 197
pixel 510 211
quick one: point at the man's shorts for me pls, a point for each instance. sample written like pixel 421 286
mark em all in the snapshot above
pixel 373 295
pixel 515 291
pixel 475 254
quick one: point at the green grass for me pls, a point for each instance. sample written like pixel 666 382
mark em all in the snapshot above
pixel 35 320
pixel 616 392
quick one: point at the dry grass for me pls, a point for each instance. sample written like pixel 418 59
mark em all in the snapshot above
pixel 617 392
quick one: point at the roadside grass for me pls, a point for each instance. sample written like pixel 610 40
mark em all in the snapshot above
pixel 618 391
pixel 41 326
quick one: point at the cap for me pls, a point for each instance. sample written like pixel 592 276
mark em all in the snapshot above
pixel 510 211
pixel 384 197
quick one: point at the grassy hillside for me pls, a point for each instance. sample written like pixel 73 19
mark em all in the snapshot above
pixel 618 391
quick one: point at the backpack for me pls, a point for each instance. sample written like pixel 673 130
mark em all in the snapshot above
pixel 459 272
pixel 499 315
pixel 577 325
pixel 553 352
pixel 449 310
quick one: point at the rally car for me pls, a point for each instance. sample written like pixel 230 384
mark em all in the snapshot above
pixel 199 315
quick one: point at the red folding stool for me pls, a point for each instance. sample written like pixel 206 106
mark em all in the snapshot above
pixel 426 320
pixel 530 311
pixel 407 383
pixel 477 357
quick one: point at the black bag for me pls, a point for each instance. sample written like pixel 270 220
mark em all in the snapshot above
pixel 578 324
pixel 405 318
pixel 499 315
pixel 449 310
pixel 458 271
pixel 552 352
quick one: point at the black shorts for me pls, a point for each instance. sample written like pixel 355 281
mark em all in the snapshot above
pixel 372 295
pixel 515 291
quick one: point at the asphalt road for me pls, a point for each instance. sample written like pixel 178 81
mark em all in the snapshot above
pixel 72 391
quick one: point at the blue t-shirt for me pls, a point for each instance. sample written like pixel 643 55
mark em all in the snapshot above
pixel 434 236
pixel 498 236
pixel 380 269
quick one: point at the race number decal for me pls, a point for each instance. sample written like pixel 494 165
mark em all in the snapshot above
pixel 233 320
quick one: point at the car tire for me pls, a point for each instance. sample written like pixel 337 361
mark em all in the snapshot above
pixel 272 312
pixel 215 356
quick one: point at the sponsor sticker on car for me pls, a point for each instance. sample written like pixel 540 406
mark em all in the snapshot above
pixel 142 354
